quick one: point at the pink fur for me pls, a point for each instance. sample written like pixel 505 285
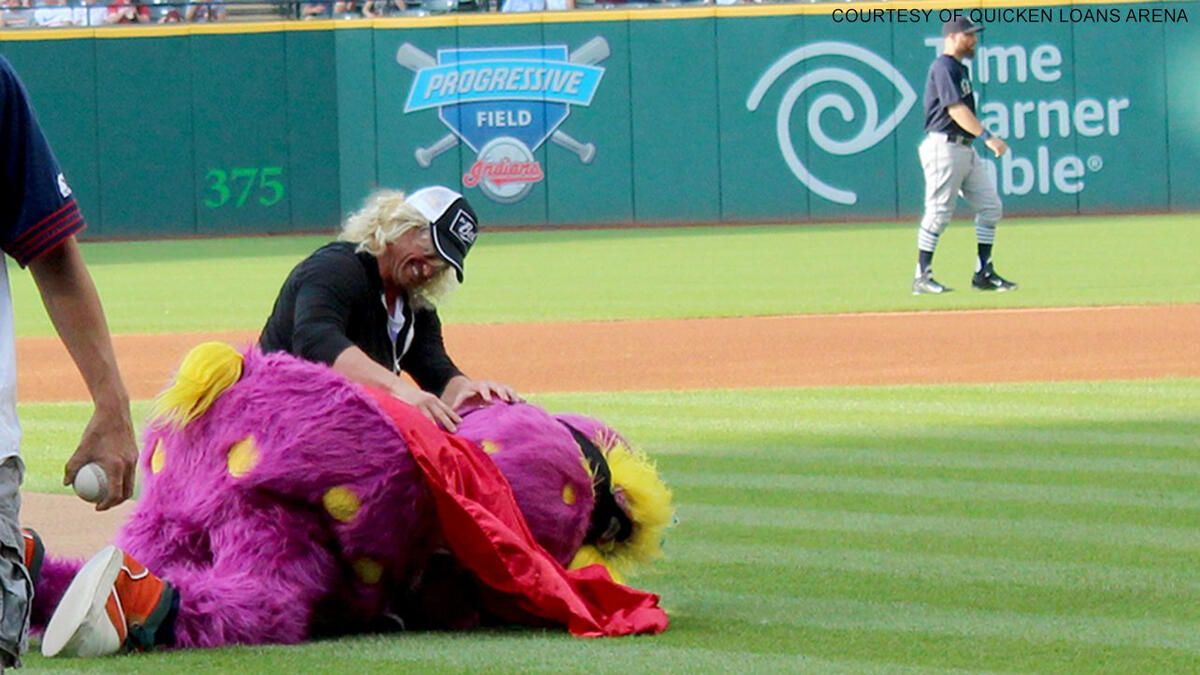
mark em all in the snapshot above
pixel 257 558
pixel 56 575
pixel 540 458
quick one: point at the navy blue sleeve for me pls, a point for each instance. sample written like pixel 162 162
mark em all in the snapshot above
pixel 945 84
pixel 37 211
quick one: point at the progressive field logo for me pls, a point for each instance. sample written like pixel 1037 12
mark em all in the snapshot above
pixel 504 103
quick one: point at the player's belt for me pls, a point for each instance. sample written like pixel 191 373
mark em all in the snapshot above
pixel 953 138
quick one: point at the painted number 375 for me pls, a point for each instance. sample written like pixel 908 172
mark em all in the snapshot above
pixel 239 183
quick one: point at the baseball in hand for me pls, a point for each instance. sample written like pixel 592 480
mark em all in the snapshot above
pixel 91 483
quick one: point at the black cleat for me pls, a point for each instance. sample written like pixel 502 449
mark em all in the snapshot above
pixel 927 284
pixel 987 280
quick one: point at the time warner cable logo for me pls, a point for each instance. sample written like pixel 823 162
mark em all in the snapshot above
pixel 504 103
pixel 1039 128
pixel 873 128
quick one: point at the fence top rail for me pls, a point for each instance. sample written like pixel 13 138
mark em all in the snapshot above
pixel 618 12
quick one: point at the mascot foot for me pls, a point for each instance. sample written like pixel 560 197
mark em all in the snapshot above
pixel 113 601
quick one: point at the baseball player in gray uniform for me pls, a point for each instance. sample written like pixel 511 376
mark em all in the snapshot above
pixel 951 165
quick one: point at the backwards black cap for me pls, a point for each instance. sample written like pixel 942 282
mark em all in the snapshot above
pixel 453 223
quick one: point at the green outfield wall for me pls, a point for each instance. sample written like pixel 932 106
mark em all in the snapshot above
pixel 779 113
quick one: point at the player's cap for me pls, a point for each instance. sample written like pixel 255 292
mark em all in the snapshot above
pixel 960 24
pixel 454 225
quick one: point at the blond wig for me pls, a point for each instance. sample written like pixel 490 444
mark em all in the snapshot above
pixel 384 218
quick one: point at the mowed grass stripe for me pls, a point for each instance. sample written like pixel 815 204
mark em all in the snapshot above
pixel 488 652
pixel 961 541
pixel 1124 419
pixel 880 586
pixel 764 519
pixel 974 460
pixel 943 489
pixel 777 559
pixel 1121 399
pixel 846 614
pixel 649 655
pixel 893 464
pixel 936 505
pixel 989 401
pixel 895 429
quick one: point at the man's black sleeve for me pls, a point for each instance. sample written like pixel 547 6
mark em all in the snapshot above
pixel 426 359
pixel 327 288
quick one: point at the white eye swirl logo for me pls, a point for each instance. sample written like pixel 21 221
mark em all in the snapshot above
pixel 873 130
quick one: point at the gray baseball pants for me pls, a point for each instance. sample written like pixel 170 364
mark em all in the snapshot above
pixel 952 169
pixel 16 588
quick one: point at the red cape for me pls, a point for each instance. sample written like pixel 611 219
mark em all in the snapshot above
pixel 485 529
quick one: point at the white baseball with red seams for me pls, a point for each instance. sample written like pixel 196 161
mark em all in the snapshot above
pixel 91 483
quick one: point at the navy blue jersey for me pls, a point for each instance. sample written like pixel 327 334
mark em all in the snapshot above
pixel 37 211
pixel 948 82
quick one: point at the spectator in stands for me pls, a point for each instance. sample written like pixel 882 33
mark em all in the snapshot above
pixel 374 8
pixel 537 5
pixel 16 13
pixel 91 13
pixel 523 6
pixel 205 11
pixel 345 9
pixel 53 14
pixel 128 11
pixel 313 10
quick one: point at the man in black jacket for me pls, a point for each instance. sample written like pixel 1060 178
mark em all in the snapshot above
pixel 365 304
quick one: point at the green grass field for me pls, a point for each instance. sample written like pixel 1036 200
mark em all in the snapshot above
pixel 1040 527
pixel 229 284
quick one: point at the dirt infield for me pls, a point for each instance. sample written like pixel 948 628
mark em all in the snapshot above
pixel 1087 343
pixel 1098 343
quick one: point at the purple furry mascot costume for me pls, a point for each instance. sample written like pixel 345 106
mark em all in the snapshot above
pixel 281 502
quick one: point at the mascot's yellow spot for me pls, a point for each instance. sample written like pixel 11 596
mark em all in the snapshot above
pixel 568 494
pixel 341 503
pixel 368 571
pixel 490 447
pixel 243 457
pixel 158 457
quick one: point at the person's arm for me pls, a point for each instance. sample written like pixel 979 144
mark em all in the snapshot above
pixel 74 308
pixel 963 117
pixel 354 364
pixel 430 365
pixel 329 286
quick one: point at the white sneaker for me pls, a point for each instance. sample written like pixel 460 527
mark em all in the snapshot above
pixel 80 625
pixel 111 602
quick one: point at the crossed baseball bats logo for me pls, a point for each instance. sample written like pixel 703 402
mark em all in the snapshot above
pixel 590 53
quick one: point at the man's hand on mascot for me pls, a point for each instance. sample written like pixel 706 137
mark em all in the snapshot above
pixel 108 441
pixel 430 406
pixel 483 392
